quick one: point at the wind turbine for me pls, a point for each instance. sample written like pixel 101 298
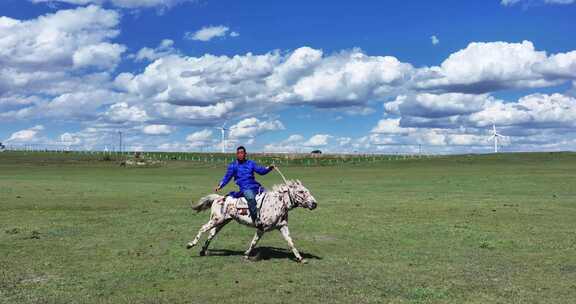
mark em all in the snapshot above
pixel 495 136
pixel 223 132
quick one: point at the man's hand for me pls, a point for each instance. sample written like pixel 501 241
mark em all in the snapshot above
pixel 217 188
pixel 271 167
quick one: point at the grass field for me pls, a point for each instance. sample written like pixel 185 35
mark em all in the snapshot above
pixel 462 229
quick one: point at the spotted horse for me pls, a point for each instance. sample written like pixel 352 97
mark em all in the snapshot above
pixel 274 206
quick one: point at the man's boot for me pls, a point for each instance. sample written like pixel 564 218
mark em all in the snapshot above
pixel 254 218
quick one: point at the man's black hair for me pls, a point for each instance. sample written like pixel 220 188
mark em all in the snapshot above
pixel 241 148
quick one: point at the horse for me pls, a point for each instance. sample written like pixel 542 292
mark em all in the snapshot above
pixel 274 207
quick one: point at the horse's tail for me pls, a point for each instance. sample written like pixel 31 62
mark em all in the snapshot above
pixel 205 202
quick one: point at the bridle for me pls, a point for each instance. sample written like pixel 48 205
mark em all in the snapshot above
pixel 286 182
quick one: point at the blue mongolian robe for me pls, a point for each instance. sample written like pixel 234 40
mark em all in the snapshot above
pixel 243 173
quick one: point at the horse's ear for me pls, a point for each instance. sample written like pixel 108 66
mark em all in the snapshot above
pixel 299 182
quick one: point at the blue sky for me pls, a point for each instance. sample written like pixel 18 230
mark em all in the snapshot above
pixel 288 76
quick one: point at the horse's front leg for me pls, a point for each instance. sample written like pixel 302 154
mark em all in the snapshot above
pixel 255 240
pixel 286 234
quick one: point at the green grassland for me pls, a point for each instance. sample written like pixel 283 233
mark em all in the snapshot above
pixel 461 229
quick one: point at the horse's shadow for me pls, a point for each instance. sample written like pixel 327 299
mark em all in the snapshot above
pixel 262 253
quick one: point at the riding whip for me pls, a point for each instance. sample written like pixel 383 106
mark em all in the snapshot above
pixel 277 169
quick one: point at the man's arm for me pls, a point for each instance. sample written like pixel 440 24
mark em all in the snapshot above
pixel 262 170
pixel 227 177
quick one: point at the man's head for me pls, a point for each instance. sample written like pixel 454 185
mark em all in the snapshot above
pixel 241 153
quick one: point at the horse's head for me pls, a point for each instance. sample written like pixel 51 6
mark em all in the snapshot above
pixel 300 195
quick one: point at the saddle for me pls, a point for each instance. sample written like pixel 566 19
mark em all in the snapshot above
pixel 240 205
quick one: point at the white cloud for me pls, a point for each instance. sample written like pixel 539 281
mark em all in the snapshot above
pixel 301 62
pixel 562 65
pixel 536 121
pixel 294 138
pixel 252 127
pixel 201 81
pixel 201 138
pixel 16 102
pixel 165 48
pixel 105 136
pixel 297 143
pixel 533 111
pixel 301 77
pixel 467 140
pixel 67 39
pixel 103 55
pixel 342 80
pixel 203 135
pixel 528 2
pixel 60 62
pixel 509 2
pixel 176 89
pixel 73 79
pixel 389 133
pixel 349 78
pixel 70 139
pixel 26 135
pixel 122 112
pixel 435 40
pixel 487 67
pixel 157 130
pixel 436 105
pixel 175 147
pixel 317 140
pixel 162 4
pixel 208 33
pixel 191 115
pixel 344 141
pixel 536 111
pixel 294 143
pixel 68 106
pixel 391 126
pixel 49 83
pixel 78 105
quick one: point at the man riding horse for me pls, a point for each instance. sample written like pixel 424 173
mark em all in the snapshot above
pixel 275 205
pixel 242 170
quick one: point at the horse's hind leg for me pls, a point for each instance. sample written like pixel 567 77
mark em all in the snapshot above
pixel 212 234
pixel 286 234
pixel 211 224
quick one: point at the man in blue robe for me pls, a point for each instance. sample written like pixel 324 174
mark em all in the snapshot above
pixel 242 170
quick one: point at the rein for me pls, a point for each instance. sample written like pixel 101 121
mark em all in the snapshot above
pixel 286 182
pixel 280 172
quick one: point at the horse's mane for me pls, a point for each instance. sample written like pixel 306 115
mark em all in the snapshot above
pixel 282 187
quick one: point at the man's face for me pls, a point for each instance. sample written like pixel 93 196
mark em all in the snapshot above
pixel 241 154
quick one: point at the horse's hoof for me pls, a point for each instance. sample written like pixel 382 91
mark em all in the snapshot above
pixel 202 253
pixel 188 246
pixel 303 261
pixel 250 258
